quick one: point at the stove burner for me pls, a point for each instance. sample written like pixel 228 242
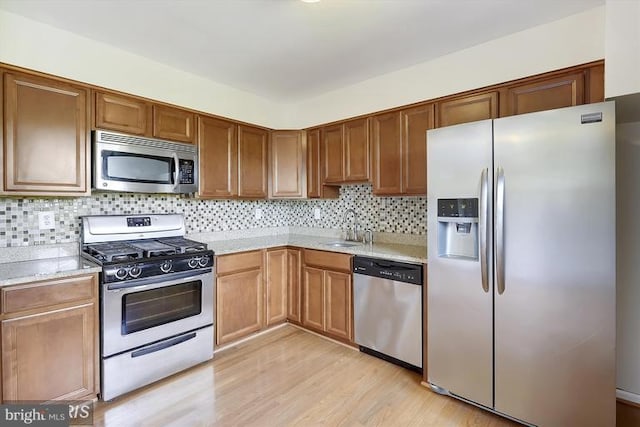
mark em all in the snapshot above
pixel 115 251
pixel 153 248
pixel 183 245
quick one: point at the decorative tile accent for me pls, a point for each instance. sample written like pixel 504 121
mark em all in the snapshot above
pixel 19 219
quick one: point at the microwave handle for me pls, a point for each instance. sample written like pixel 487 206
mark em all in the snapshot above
pixel 176 172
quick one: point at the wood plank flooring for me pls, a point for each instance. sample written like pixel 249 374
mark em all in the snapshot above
pixel 291 377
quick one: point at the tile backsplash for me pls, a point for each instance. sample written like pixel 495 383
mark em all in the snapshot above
pixel 19 216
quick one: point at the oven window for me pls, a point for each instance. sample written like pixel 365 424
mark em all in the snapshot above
pixel 119 166
pixel 146 309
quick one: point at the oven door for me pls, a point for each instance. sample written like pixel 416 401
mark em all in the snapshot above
pixel 144 169
pixel 142 311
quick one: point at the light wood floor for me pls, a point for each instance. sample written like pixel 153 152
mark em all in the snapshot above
pixel 291 377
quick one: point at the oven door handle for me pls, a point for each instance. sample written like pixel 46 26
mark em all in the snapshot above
pixel 159 281
pixel 164 344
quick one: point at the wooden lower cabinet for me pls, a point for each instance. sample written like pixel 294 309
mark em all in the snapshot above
pixel 50 352
pixel 294 285
pixel 328 305
pixel 239 304
pixel 276 287
pixel 313 309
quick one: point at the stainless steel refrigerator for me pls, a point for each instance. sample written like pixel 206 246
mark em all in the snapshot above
pixel 521 271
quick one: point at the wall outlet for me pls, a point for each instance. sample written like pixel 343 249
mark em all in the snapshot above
pixel 316 213
pixel 258 213
pixel 46 220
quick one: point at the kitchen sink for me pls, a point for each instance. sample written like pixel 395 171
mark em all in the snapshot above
pixel 343 244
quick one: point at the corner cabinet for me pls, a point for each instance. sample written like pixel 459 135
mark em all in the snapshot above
pixel 50 333
pixel 345 152
pixel 315 187
pixel 45 136
pixel 233 160
pixel 287 161
pixel 327 294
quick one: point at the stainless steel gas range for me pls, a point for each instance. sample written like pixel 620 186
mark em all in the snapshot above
pixel 156 298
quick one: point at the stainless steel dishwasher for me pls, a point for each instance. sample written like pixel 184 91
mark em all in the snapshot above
pixel 388 310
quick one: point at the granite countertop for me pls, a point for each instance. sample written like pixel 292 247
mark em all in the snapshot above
pixel 391 251
pixel 13 273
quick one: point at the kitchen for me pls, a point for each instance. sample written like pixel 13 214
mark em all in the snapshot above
pixel 394 219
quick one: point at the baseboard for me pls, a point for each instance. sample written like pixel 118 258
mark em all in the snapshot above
pixel 224 347
pixel 628 398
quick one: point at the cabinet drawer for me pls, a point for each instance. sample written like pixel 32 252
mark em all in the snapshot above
pixel 47 293
pixel 328 260
pixel 238 262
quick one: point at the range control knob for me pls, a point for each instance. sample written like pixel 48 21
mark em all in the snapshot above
pixel 193 263
pixel 165 267
pixel 120 273
pixel 203 261
pixel 135 271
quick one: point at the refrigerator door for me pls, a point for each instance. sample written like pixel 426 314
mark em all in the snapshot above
pixel 460 302
pixel 555 308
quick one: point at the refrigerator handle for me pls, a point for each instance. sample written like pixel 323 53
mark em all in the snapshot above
pixel 499 238
pixel 484 228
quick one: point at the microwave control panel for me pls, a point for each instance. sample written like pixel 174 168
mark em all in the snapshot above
pixel 187 173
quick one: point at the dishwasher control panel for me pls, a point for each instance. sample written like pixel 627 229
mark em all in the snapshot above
pixel 392 270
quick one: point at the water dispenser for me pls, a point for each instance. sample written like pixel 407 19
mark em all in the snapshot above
pixel 458 228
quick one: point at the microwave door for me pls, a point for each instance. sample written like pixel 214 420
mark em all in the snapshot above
pixel 135 169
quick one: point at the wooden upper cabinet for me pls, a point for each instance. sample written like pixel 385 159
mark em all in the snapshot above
pixel 122 114
pixel 546 94
pixel 314 178
pixel 415 123
pixel 252 162
pixel 356 150
pixel 468 108
pixel 173 124
pixel 287 152
pixel 46 136
pixel 218 158
pixel 399 151
pixel 332 154
pixel 387 153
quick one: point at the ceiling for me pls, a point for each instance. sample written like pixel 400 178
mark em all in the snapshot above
pixel 287 50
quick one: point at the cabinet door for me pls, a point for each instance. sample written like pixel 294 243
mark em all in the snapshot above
pixel 239 300
pixel 218 158
pixel 122 114
pixel 313 307
pixel 468 108
pixel 50 355
pixel 294 282
pixel 387 153
pixel 276 295
pixel 332 154
pixel 314 180
pixel 415 123
pixel 338 304
pixel 252 162
pixel 287 153
pixel 356 150
pixel 45 136
pixel 546 94
pixel 173 124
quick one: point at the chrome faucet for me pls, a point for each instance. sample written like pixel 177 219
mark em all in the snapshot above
pixel 352 230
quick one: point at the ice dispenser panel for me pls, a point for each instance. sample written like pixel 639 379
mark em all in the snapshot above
pixel 458 228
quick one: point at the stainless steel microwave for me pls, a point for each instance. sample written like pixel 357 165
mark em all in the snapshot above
pixel 143 165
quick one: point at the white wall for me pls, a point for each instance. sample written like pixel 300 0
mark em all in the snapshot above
pixel 628 267
pixel 41 47
pixel 570 41
pixel 622 55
